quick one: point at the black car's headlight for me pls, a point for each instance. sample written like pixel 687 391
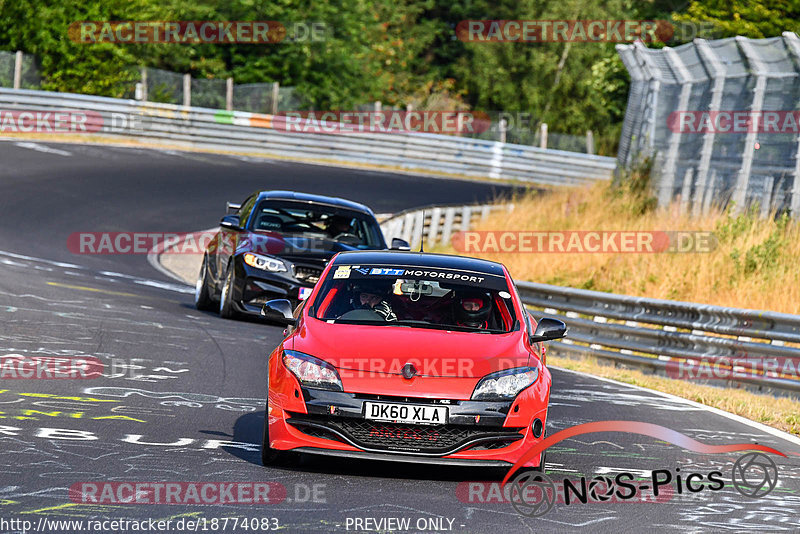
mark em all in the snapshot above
pixel 264 262
pixel 311 371
pixel 505 385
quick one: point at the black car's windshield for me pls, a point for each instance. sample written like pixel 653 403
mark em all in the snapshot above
pixel 316 221
pixel 416 297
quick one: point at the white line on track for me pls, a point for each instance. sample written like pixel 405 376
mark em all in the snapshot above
pixel 43 148
pixel 182 288
pixel 733 417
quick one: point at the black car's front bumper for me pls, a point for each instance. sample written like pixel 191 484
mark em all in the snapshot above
pixel 471 425
pixel 253 287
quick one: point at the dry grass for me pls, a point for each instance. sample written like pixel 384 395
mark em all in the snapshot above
pixel 781 413
pixel 754 265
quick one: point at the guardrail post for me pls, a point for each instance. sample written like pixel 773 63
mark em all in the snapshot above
pixel 187 90
pixel 433 229
pixel 759 70
pixel 589 142
pixel 229 94
pixel 466 218
pixel 447 230
pixel 276 91
pixel 418 231
pixel 378 106
pixel 705 177
pixel 543 135
pixel 503 129
pixel 144 84
pixel 18 69
pixel 793 44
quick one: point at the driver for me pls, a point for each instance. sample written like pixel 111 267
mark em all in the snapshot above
pixel 472 309
pixel 370 296
pixel 338 224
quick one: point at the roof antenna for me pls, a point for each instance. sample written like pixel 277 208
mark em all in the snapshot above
pixel 422 234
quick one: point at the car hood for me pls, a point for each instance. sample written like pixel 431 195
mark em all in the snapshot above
pixel 385 350
pixel 275 244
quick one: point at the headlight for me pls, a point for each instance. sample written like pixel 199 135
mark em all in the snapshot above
pixel 264 262
pixel 311 371
pixel 505 385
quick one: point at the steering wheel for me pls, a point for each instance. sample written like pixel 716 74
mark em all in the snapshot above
pixel 347 238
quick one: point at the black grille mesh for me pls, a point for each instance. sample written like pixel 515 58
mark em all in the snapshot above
pixel 442 439
pixel 307 274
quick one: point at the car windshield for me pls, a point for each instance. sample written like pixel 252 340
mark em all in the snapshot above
pixel 410 296
pixel 318 222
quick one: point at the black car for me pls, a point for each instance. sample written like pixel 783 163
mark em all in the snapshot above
pixel 276 246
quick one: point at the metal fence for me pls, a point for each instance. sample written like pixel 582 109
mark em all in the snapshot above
pixel 150 84
pixel 18 70
pixel 269 135
pixel 730 346
pixel 744 163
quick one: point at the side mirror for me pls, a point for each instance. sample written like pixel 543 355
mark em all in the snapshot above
pixel 232 207
pixel 400 244
pixel 548 329
pixel 279 311
pixel 230 221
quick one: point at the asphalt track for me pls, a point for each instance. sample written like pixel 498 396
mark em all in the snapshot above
pixel 184 397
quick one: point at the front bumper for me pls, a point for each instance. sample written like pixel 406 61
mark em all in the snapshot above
pixel 254 286
pixel 475 433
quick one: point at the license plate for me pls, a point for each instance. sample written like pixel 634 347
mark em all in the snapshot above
pixel 304 293
pixel 406 413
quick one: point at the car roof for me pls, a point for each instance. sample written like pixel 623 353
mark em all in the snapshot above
pixel 419 259
pixel 316 199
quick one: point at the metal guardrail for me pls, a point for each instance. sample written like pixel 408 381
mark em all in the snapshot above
pixel 669 335
pixel 661 335
pixel 266 135
pixel 436 224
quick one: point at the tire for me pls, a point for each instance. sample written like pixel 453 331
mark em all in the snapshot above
pixel 543 456
pixel 270 456
pixel 226 310
pixel 202 290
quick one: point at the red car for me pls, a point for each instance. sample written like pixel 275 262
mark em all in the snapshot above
pixel 406 356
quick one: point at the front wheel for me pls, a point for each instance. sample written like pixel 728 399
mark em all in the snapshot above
pixel 543 455
pixel 202 290
pixel 270 456
pixel 226 310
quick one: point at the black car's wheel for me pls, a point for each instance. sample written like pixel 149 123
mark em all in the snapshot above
pixel 270 456
pixel 226 310
pixel 202 290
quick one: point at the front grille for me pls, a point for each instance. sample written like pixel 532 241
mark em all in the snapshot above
pixel 490 445
pixel 309 275
pixel 430 439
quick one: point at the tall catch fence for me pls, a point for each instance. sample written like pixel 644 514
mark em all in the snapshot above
pixel 148 84
pixel 719 119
